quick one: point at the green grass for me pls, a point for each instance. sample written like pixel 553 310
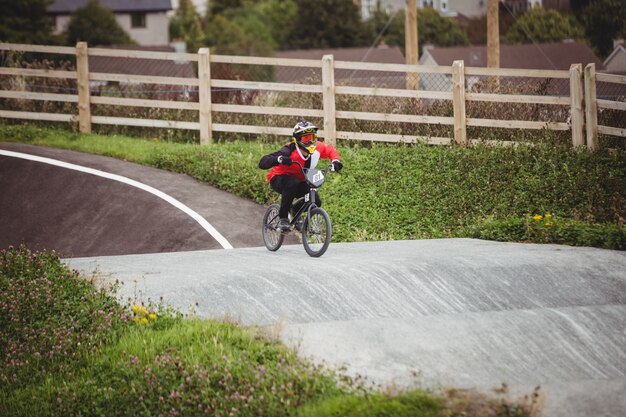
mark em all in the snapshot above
pixel 411 191
pixel 69 349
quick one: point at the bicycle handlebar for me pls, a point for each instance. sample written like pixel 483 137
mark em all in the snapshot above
pixel 325 170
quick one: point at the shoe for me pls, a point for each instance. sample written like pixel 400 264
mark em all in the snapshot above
pixel 299 225
pixel 284 225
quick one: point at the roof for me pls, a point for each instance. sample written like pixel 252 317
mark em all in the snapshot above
pixel 547 56
pixel 381 54
pixel 619 49
pixel 68 6
pixel 141 66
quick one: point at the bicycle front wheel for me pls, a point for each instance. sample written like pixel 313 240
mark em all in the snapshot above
pixel 316 232
pixel 272 236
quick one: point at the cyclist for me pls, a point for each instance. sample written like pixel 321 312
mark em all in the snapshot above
pixel 285 177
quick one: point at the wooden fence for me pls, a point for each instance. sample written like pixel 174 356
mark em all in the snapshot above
pixel 582 101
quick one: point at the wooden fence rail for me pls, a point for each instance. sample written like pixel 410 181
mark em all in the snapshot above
pixel 593 104
pixel 581 100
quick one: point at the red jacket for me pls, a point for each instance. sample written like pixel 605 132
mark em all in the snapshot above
pixel 322 150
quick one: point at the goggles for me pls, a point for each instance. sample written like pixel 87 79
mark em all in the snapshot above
pixel 308 139
pixel 307 142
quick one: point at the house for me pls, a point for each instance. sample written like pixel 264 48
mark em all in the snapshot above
pixel 146 21
pixel 517 7
pixel 356 78
pixel 616 62
pixel 546 56
pixel 469 8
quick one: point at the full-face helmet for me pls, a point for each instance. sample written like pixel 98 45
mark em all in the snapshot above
pixel 305 136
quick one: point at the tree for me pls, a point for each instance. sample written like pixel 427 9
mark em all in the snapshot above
pixel 263 21
pixel 439 30
pixel 326 24
pixel 96 26
pixel 219 7
pixel 186 25
pixel 272 16
pixel 25 21
pixel 542 25
pixel 604 21
pixel 226 37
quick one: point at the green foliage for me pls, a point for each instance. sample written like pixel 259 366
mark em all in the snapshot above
pixel 413 403
pixel 226 37
pixel 274 16
pixel 248 27
pixel 326 24
pixel 439 30
pixel 544 25
pixel 604 21
pixel 50 319
pixel 552 229
pixel 186 25
pixel 218 7
pixel 193 367
pixel 95 25
pixel 26 21
pixel 417 403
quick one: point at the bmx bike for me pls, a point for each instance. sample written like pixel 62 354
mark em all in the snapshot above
pixel 312 221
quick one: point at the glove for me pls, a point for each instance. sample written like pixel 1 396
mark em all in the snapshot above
pixel 285 160
pixel 337 166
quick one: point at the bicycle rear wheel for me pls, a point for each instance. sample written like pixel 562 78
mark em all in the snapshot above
pixel 272 236
pixel 316 232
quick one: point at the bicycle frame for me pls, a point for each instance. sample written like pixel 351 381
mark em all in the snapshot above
pixel 310 198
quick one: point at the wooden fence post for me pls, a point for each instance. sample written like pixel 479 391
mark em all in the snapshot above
pixel 577 112
pixel 204 95
pixel 458 102
pixel 328 99
pixel 82 74
pixel 591 106
pixel 410 40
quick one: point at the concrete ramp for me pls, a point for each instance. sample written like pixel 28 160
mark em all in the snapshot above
pixel 460 312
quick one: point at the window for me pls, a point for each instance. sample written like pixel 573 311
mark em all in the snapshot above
pixel 137 20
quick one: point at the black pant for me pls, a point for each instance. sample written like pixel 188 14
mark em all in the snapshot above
pixel 289 188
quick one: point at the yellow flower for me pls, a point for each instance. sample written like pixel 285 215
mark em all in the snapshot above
pixel 144 311
pixel 537 217
pixel 144 321
pixel 135 318
pixel 549 224
pixel 152 316
pixel 547 216
pixel 136 308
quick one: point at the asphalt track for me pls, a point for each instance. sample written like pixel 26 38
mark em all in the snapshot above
pixel 459 312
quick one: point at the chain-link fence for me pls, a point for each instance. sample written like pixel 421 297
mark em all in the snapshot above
pixel 613 92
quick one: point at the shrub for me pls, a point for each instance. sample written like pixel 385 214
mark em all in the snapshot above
pixel 50 318
pixel 548 228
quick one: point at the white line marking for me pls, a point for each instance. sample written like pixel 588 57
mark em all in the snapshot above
pixel 201 220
